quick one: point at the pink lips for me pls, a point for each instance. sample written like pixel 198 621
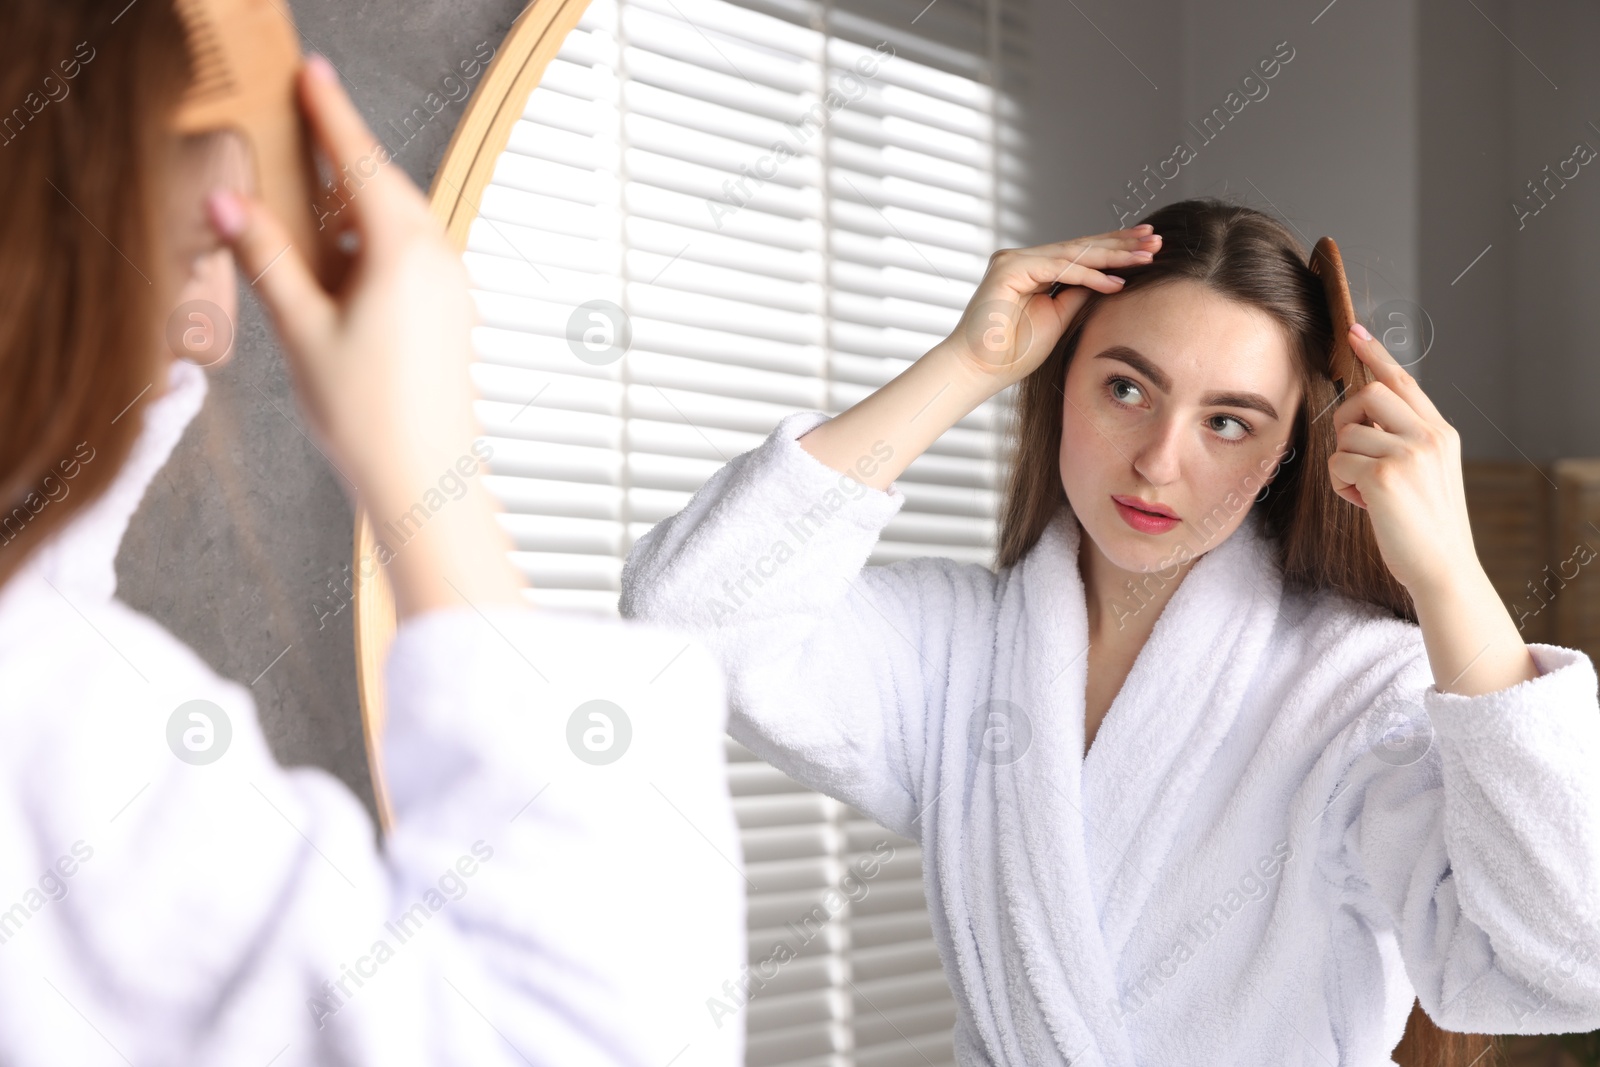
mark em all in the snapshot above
pixel 1144 516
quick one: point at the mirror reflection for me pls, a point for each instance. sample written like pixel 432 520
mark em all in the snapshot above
pixel 765 532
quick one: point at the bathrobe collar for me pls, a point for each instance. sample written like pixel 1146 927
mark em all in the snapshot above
pixel 1110 818
pixel 80 559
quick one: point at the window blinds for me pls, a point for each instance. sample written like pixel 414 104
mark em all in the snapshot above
pixel 658 283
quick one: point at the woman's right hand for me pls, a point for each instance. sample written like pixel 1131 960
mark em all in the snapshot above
pixel 381 366
pixel 1012 324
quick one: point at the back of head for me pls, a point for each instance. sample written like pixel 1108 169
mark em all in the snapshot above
pixel 84 277
pixel 1324 542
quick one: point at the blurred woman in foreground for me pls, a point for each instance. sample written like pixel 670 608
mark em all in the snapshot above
pixel 168 893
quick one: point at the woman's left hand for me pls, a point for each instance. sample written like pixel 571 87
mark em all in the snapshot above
pixel 1400 460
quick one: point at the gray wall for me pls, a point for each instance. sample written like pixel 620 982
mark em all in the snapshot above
pixel 1093 121
pixel 1118 86
pixel 1548 360
pixel 1404 128
pixel 240 536
pixel 1501 101
pixel 1461 207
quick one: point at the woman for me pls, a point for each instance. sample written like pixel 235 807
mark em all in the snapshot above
pixel 1236 751
pixel 168 893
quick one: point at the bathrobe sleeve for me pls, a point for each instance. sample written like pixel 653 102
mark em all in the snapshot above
pixel 531 908
pixel 834 668
pixel 1483 854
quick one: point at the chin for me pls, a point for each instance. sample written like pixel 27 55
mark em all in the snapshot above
pixel 1131 550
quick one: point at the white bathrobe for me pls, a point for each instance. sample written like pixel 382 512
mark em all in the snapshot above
pixel 529 908
pixel 1282 830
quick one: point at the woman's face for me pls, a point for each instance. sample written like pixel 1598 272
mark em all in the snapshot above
pixel 1178 397
pixel 200 324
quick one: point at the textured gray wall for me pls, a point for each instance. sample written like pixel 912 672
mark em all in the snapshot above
pixel 240 536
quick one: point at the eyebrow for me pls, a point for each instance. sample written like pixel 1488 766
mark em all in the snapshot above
pixel 1139 362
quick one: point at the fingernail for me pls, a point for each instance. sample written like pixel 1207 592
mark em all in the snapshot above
pixel 1119 281
pixel 1360 331
pixel 321 68
pixel 226 212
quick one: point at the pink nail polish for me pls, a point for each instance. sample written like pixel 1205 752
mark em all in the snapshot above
pixel 321 68
pixel 1360 331
pixel 226 213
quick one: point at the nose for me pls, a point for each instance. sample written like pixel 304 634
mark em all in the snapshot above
pixel 1157 457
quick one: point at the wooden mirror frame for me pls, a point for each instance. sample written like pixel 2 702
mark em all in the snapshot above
pixel 466 169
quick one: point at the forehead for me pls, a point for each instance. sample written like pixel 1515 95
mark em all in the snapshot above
pixel 1200 338
pixel 204 161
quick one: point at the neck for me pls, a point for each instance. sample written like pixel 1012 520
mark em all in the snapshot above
pixel 1122 604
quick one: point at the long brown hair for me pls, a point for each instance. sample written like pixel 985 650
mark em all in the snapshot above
pixel 1322 540
pixel 84 271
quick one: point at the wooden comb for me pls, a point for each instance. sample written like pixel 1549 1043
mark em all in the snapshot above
pixel 1327 264
pixel 245 55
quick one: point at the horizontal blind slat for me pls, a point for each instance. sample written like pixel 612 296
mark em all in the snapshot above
pixel 644 171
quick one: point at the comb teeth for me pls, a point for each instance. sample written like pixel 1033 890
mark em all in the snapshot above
pixel 213 74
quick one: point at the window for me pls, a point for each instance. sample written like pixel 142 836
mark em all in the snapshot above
pixel 659 283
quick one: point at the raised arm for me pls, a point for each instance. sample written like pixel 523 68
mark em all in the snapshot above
pixel 1470 827
pixel 561 885
pixel 1009 326
pixel 838 672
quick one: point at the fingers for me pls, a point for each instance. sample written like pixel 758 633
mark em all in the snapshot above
pixel 359 160
pixel 1135 237
pixel 1345 469
pixel 1104 256
pixel 339 128
pixel 1128 233
pixel 1134 232
pixel 1378 403
pixel 1386 369
pixel 268 260
pixel 1027 274
pixel 1361 440
pixel 1131 247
